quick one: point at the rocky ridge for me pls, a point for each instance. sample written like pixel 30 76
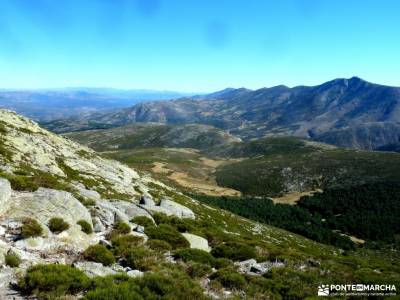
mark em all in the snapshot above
pixel 80 186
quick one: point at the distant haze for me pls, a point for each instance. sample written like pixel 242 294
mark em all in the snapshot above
pixel 49 104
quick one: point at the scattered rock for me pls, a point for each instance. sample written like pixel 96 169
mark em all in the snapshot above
pixel 5 194
pixel 197 242
pixel 139 229
pixel 93 269
pixel 251 267
pixel 98 225
pixel 134 273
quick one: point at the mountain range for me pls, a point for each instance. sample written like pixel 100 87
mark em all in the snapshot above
pixel 49 104
pixel 344 112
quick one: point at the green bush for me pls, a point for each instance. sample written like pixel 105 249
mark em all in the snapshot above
pixel 182 225
pixel 23 183
pixel 31 228
pixel 140 258
pixel 122 228
pixel 143 221
pixel 222 262
pixel 234 251
pixel 120 291
pixel 160 218
pixel 85 201
pixel 197 270
pixel 159 245
pixel 12 260
pixel 52 281
pixel 57 225
pixel 175 285
pixel 169 234
pixel 229 279
pixel 100 254
pixel 85 226
pixel 123 243
pixel 195 255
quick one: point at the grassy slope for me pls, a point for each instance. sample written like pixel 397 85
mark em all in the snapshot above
pixel 268 167
pixel 361 265
pixel 153 135
pixel 307 168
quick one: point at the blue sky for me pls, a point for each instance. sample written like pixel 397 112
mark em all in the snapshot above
pixel 196 45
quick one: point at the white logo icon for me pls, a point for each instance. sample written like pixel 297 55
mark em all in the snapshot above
pixel 323 290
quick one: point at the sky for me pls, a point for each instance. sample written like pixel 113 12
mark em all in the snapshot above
pixel 196 45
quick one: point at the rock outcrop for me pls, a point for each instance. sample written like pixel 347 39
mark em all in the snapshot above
pixel 177 209
pixel 169 208
pixel 45 204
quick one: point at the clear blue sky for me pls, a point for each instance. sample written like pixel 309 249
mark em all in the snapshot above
pixel 196 45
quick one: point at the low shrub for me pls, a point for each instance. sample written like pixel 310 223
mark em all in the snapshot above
pixel 31 228
pixel 23 183
pixel 160 218
pixel 175 285
pixel 57 225
pixel 122 227
pixel 140 258
pixel 195 255
pixel 197 270
pixel 182 225
pixel 234 251
pixel 123 243
pixel 85 226
pixel 100 254
pixel 222 262
pixel 143 221
pixel 159 245
pixel 169 234
pixel 85 201
pixel 12 260
pixel 229 279
pixel 52 281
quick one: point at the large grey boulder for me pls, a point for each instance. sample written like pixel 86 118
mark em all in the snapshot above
pixel 197 242
pixel 177 209
pixel 88 194
pixel 5 194
pixel 130 209
pixel 45 204
pixel 169 208
pixel 109 212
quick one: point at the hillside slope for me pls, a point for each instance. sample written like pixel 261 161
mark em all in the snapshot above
pixel 195 136
pixel 192 250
